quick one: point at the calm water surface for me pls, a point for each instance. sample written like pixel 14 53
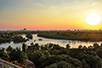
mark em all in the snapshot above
pixel 73 44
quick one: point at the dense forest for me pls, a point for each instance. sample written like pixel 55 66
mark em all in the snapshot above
pixel 74 35
pixel 54 56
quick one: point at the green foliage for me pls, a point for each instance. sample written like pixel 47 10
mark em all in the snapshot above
pixel 36 46
pixel 18 39
pixel 34 56
pixel 67 46
pixel 52 66
pixel 51 54
pixel 18 55
pixel 61 64
pixel 24 47
pixel 9 49
pixel 33 47
pixel 93 61
pixel 29 35
pixel 6 37
pixel 13 36
pixel 32 44
pixel 3 54
pixel 4 40
pixel 74 35
pixel 84 64
pixel 99 51
pixel 95 46
pixel 44 58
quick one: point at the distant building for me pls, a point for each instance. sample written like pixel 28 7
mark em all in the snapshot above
pixel 24 29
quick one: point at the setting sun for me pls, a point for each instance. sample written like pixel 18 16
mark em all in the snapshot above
pixel 93 19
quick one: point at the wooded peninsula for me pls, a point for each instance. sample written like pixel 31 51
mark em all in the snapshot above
pixel 93 36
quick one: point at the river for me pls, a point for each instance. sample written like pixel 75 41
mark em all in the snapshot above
pixel 73 44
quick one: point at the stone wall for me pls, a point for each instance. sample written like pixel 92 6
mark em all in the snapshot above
pixel 8 64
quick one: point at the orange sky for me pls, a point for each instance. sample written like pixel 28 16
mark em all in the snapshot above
pixel 48 14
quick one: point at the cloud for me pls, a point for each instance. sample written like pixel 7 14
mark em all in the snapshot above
pixel 38 4
pixel 52 7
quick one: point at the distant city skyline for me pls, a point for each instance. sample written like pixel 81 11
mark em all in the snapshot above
pixel 48 14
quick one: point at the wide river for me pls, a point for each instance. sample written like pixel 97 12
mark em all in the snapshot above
pixel 73 44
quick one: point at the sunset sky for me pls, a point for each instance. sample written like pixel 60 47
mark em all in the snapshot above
pixel 48 14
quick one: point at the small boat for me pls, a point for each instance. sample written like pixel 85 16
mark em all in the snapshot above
pixel 34 40
pixel 40 39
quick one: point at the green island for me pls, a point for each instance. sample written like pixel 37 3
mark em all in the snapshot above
pixel 93 36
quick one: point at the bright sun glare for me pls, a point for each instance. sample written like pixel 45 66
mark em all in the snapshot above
pixel 93 19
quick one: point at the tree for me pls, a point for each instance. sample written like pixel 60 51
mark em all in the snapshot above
pixel 36 46
pixel 90 47
pixel 18 39
pixel 67 46
pixel 84 64
pixel 93 61
pixel 3 54
pixel 18 55
pixel 24 47
pixel 35 56
pixel 84 47
pixel 32 44
pixel 52 66
pixel 50 45
pixel 99 51
pixel 46 47
pixel 56 46
pixel 95 45
pixel 9 49
pixel 61 64
pixel 29 35
pixel 42 47
pixel 80 47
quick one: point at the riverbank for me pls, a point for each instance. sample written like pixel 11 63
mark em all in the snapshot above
pixel 93 36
